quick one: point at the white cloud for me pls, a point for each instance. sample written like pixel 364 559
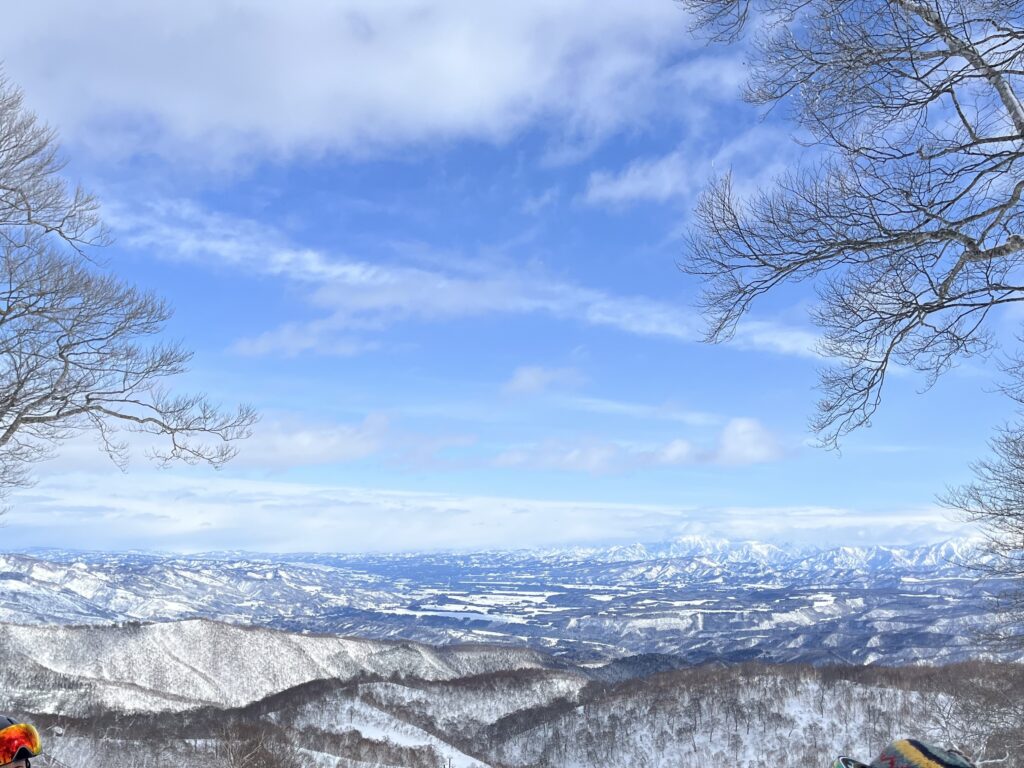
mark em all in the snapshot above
pixel 746 441
pixel 741 442
pixel 291 339
pixel 537 203
pixel 642 316
pixel 278 442
pixel 666 412
pixel 714 77
pixel 281 444
pixel 198 511
pixel 596 457
pixel 775 337
pixel 763 151
pixel 656 179
pixel 170 511
pixel 359 297
pixel 219 78
pixel 676 452
pixel 533 379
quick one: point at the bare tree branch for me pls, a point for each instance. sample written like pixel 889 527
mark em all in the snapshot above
pixel 911 222
pixel 79 349
pixel 907 218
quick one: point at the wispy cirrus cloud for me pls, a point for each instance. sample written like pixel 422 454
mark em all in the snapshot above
pixel 534 379
pixel 358 297
pixel 535 204
pixel 633 410
pixel 763 150
pixel 313 337
pixel 775 337
pixel 655 179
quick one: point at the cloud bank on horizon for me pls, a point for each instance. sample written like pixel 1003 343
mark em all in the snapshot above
pixel 436 244
pixel 192 514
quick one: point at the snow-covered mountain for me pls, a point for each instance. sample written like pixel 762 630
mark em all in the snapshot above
pixel 182 665
pixel 695 598
pixel 198 692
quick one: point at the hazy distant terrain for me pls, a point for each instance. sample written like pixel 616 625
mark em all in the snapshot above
pixel 200 692
pixel 695 599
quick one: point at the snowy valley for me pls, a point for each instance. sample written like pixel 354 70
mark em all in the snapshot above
pixel 694 599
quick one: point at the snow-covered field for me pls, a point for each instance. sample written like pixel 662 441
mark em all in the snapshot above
pixel 695 598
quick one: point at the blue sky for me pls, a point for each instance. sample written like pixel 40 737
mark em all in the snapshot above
pixel 436 245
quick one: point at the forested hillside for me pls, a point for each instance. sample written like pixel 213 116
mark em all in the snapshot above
pixel 140 697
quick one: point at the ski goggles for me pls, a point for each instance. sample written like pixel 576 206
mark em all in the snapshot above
pixel 848 762
pixel 18 742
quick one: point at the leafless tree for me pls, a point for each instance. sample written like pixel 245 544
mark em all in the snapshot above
pixel 78 347
pixel 995 501
pixel 910 219
pixel 907 214
pixel 253 747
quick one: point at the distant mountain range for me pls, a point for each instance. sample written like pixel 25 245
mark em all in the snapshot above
pixel 692 599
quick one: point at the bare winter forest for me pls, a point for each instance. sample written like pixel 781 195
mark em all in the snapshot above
pixel 146 696
pixel 743 716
